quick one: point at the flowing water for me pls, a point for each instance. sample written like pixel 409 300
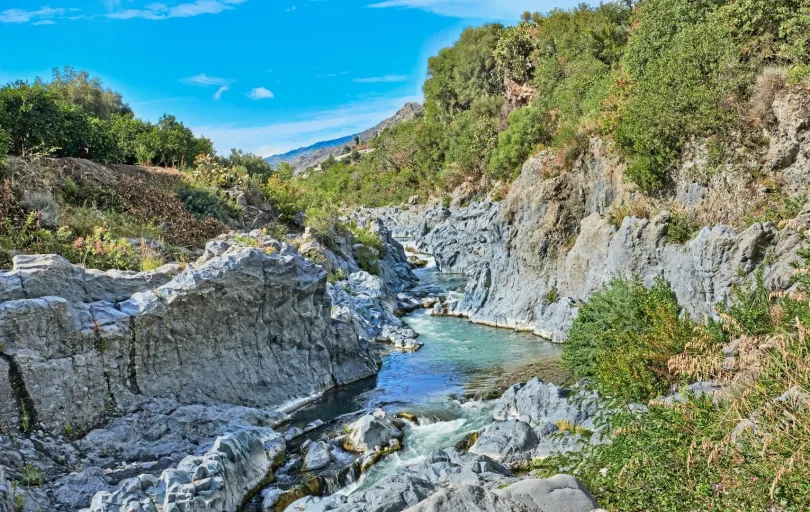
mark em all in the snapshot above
pixel 458 359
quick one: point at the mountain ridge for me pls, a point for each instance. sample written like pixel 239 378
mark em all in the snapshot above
pixel 314 154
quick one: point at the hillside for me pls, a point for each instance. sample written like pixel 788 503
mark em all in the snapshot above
pixel 303 158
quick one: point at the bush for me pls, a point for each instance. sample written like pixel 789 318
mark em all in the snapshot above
pixel 102 251
pixel 463 73
pixel 683 91
pixel 527 128
pixel 623 337
pixel 681 228
pixel 205 203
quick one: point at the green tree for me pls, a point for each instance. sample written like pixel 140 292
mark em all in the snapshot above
pixel 79 88
pixel 462 73
pixel 32 117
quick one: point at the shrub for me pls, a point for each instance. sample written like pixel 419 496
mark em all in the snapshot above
pixel 361 235
pixel 637 207
pixel 150 259
pixel 681 228
pixel 100 250
pixel 31 476
pixel 704 454
pixel 204 202
pixel 623 337
pixel 528 127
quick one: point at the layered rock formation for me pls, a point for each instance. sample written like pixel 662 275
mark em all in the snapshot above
pixel 244 326
pixel 554 240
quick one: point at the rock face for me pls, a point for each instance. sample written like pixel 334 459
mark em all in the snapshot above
pixel 217 480
pixel 519 252
pixel 244 326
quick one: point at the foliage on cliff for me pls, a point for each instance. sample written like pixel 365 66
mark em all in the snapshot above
pixel 649 77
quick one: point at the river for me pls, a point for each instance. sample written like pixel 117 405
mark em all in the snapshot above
pixel 458 359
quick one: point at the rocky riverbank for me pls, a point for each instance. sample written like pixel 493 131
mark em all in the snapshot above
pixel 120 375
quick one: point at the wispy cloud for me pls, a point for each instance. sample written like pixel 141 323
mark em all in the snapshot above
pixel 40 16
pixel 221 91
pixel 161 11
pixel 261 93
pixel 501 9
pixel 381 79
pixel 279 137
pixel 203 80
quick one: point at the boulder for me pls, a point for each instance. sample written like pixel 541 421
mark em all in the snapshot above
pixel 318 456
pixel 468 498
pixel 538 403
pixel 509 441
pixel 372 432
pixel 561 493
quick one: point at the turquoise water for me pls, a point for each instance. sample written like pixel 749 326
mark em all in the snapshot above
pixel 458 359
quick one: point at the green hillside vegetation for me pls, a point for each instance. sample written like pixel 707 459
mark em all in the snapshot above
pixel 648 77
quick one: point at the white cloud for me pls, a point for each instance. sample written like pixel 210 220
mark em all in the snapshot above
pixel 381 79
pixel 220 91
pixel 20 16
pixel 261 93
pixel 280 137
pixel 501 9
pixel 44 22
pixel 161 11
pixel 203 80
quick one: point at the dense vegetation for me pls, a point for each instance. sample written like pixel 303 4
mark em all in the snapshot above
pixel 648 76
pixel 57 207
pixel 747 450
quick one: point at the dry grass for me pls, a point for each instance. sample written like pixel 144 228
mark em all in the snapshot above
pixel 639 207
pixel 769 83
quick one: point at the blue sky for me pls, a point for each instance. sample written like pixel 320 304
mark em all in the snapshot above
pixel 264 75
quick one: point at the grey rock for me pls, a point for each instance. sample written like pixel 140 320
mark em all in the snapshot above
pixel 318 456
pixel 6 493
pixel 510 441
pixel 293 433
pixel 561 493
pixel 217 480
pixel 468 498
pixel 372 432
pixel 244 328
pixel 75 491
pixel 538 403
pixel 164 428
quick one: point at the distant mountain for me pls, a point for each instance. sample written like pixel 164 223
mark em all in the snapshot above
pixel 291 156
pixel 310 156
